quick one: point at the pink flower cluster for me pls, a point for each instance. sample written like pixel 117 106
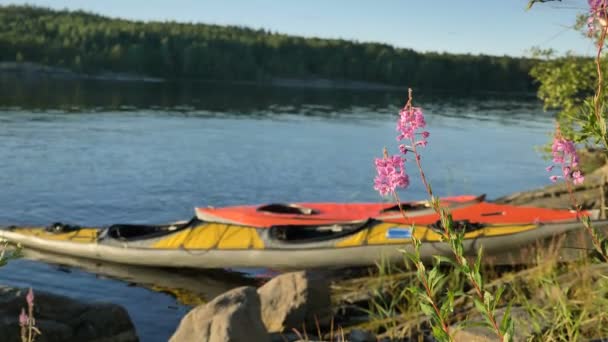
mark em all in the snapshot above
pixel 23 317
pixel 564 154
pixel 410 121
pixel 597 11
pixel 391 169
pixel 29 298
pixel 390 174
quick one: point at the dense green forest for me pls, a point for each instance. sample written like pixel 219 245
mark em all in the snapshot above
pixel 91 43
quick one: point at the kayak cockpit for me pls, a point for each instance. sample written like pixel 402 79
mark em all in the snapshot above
pixel 282 208
pixel 131 232
pixel 316 233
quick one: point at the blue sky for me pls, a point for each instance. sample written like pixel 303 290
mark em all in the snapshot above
pixel 494 27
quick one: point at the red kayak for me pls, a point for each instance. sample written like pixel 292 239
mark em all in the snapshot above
pixel 264 216
pixel 466 207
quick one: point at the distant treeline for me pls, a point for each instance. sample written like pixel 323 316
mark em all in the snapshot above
pixel 91 43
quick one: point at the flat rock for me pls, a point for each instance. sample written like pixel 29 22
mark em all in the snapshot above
pixel 233 316
pixel 295 300
pixel 523 328
pixel 64 319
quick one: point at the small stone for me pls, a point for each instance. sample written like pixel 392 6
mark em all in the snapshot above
pixel 357 335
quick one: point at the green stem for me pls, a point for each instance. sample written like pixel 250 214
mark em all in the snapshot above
pixel 425 284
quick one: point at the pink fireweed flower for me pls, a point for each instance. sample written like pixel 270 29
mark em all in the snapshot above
pixel 390 174
pixel 411 119
pixel 577 177
pixel 561 149
pixel 29 298
pixel 597 12
pixel 564 155
pixel 23 318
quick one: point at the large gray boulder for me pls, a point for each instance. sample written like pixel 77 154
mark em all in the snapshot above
pixel 233 316
pixel 294 300
pixel 63 319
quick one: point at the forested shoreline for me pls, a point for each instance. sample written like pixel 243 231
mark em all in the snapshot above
pixel 92 44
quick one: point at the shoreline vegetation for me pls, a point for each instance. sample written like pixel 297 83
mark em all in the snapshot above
pixel 79 44
pixel 38 72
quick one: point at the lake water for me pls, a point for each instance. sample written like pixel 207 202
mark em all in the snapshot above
pixel 98 153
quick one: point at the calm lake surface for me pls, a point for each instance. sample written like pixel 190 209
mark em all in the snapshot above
pixel 98 153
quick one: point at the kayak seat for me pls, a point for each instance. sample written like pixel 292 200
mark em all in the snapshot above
pixel 307 233
pixel 58 228
pixel 131 232
pixel 425 204
pixel 458 226
pixel 281 208
pixel 406 207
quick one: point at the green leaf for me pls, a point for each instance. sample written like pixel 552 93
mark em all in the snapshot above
pixel 478 279
pixel 439 334
pixel 427 309
pixel 435 202
pixel 441 258
pixel 497 296
pixel 465 267
pixel 435 277
pixel 479 306
pixel 411 256
pixel 506 320
pixel 414 289
pixel 426 298
pixel 478 260
pixel 459 249
pixel 451 296
pixel 448 306
pixel 434 273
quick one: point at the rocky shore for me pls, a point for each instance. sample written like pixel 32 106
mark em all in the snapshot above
pixel 36 71
pixel 304 306
pixel 63 319
pixel 297 307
